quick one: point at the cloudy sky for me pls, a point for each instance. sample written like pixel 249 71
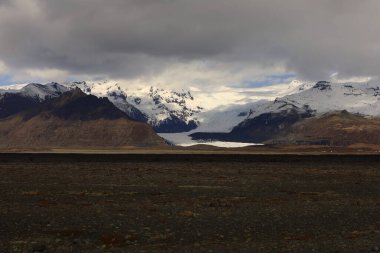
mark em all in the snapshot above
pixel 203 43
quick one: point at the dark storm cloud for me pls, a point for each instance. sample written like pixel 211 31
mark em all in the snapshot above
pixel 125 38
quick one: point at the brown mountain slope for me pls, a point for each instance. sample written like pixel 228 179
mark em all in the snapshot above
pixel 75 120
pixel 339 128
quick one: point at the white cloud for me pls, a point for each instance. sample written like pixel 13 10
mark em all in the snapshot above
pixel 47 74
pixel 3 68
pixel 207 75
pixel 355 79
pixel 213 83
pixel 133 39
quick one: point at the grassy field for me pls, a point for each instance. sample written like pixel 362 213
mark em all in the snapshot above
pixel 189 203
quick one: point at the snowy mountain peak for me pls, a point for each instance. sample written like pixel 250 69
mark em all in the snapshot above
pixel 37 91
pixel 325 97
pixel 166 110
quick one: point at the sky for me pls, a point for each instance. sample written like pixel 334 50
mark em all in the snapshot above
pixel 204 44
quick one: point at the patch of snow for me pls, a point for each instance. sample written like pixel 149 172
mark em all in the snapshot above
pixel 13 87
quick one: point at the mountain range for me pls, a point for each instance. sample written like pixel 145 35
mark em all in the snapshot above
pixel 346 113
pixel 342 113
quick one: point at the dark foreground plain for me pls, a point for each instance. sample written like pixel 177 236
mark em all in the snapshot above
pixel 189 203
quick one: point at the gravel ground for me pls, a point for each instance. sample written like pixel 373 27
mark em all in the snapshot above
pixel 189 203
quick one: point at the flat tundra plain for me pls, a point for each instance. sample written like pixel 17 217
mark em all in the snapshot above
pixel 189 203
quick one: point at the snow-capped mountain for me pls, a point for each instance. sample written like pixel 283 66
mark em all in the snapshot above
pixel 362 98
pixel 35 90
pixel 14 99
pixel 166 110
pixel 276 118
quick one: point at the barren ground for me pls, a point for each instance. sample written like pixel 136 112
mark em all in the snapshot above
pixel 189 203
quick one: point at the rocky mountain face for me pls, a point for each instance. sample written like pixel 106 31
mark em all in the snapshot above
pixel 74 120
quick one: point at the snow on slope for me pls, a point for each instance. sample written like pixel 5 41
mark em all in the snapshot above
pixel 225 118
pixel 363 98
pixel 272 92
pixel 156 105
pixel 35 90
pixel 12 87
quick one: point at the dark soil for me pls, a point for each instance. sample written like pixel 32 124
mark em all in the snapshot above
pixel 189 203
